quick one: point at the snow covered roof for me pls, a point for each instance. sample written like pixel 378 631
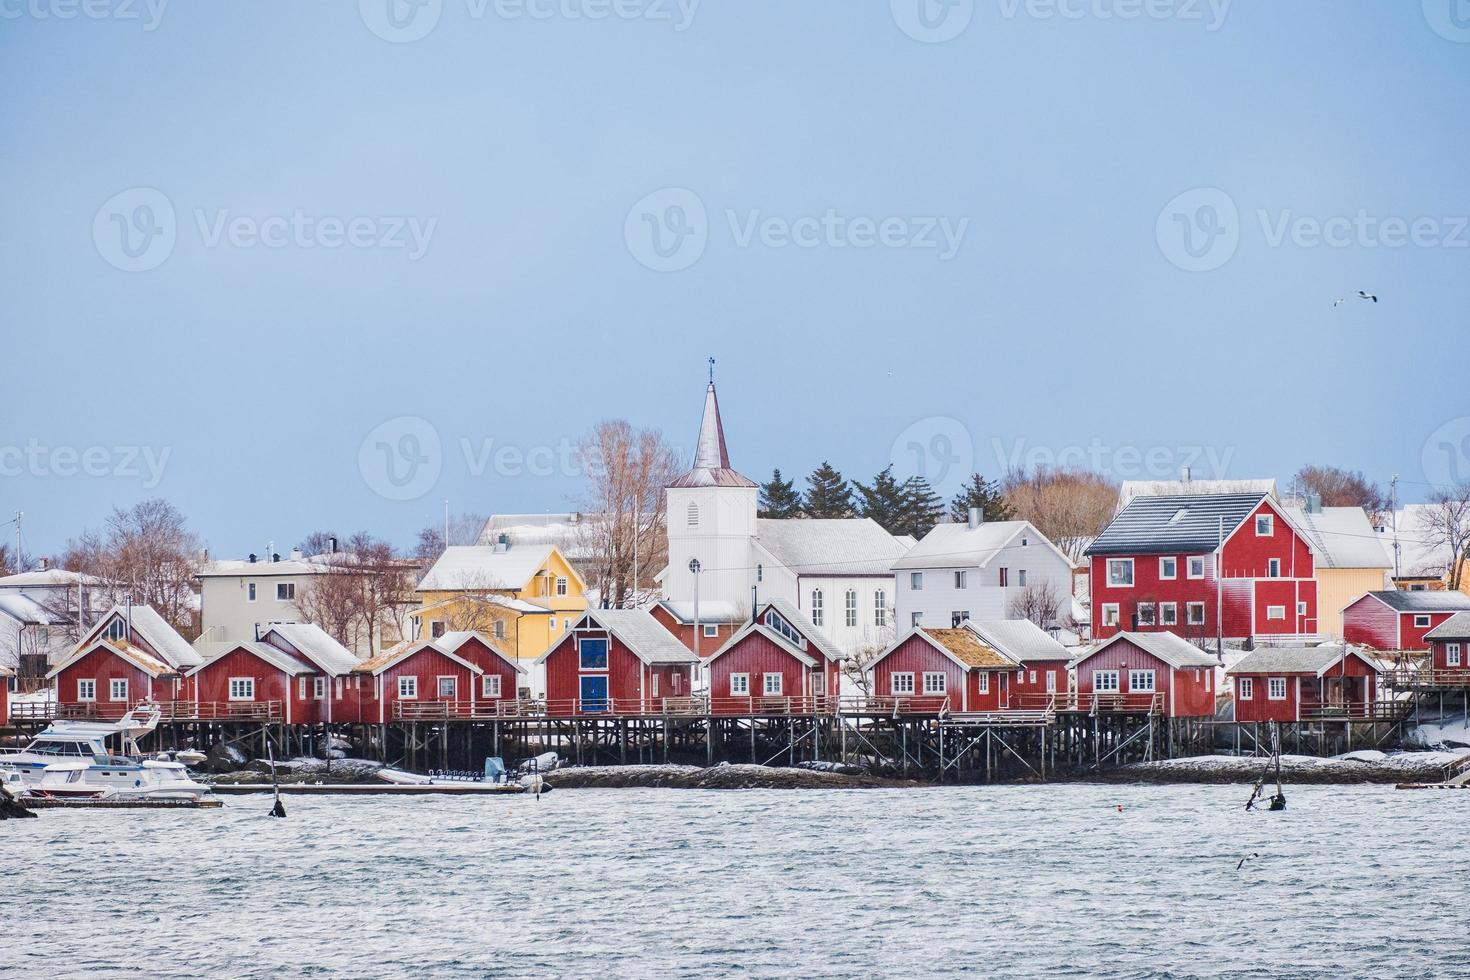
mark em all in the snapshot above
pixel 1342 536
pixel 1290 660
pixel 474 566
pixel 775 637
pixel 1183 524
pixel 836 547
pixel 1191 488
pixel 27 611
pixel 452 641
pixel 1457 627
pixel 521 606
pixel 573 534
pixel 51 577
pixel 710 610
pixel 234 568
pixel 275 657
pixel 1423 601
pixel 803 624
pixel 316 645
pixel 956 544
pixel 121 648
pixel 155 632
pixel 1020 639
pixel 711 465
pixel 406 649
pixel 1171 649
pixel 637 630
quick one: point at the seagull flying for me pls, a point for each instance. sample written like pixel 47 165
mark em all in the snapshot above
pixel 1338 302
pixel 1245 859
pixel 1363 295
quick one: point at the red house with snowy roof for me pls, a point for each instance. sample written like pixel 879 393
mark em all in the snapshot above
pixel 415 680
pixel 296 673
pixel 1157 673
pixel 130 655
pixel 616 661
pixel 777 663
pixel 1449 646
pixel 1398 620
pixel 1291 684
pixel 1193 565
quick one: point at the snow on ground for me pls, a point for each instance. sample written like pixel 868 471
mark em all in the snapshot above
pixel 1361 766
pixel 1452 732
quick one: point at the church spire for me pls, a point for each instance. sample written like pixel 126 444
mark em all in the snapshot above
pixel 711 465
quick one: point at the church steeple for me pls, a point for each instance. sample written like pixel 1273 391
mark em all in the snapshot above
pixel 711 466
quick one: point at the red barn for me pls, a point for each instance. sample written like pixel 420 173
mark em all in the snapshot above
pixel 778 662
pixel 1399 620
pixel 1138 672
pixel 131 654
pixel 1177 564
pixel 616 661
pixel 253 680
pixel 718 621
pixel 1041 674
pixel 932 670
pixel 498 672
pixel 1289 684
pixel 414 680
pixel 1449 645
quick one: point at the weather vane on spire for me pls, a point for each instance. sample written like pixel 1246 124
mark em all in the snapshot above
pixel 711 370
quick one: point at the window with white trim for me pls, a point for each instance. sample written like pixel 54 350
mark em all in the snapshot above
pixel 1021 578
pixel 1276 612
pixel 1105 681
pixel 1005 577
pixel 771 684
pixel 1168 614
pixel 437 629
pixel 1276 688
pixel 1033 676
pixel 1273 568
pixel 87 689
pixel 1051 682
pixel 1421 621
pixel 1452 654
pixel 1141 681
pixel 739 685
pixel 653 686
pixel 490 686
pixel 1110 614
pixel 1196 567
pixel 301 688
pixel 446 688
pixel 285 591
pixel 561 585
pixel 710 630
pixel 250 592
pixel 816 607
pixel 408 688
pixel 319 688
pixel 819 684
pixel 1265 525
pixel 961 579
pixel 242 688
pixel 1147 614
pixel 916 618
pixel 849 608
pixel 117 689
pixel 880 608
pixel 1245 688
pixel 916 581
pixel 1168 568
pixel 1120 572
pixel 935 682
pixel 984 679
pixel 900 683
pixel 1195 613
pixel 957 618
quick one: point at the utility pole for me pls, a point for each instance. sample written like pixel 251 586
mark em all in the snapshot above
pixel 19 561
pixel 694 567
pixel 1220 592
pixel 1393 509
pixel 637 517
pixel 446 523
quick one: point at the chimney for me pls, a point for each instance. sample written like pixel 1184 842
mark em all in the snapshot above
pixel 332 545
pixel 295 554
pixel 502 542
pixel 1184 474
pixel 1314 503
pixel 275 556
pixel 252 558
pixel 977 517
pixel 45 563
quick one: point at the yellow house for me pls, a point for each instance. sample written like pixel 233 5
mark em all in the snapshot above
pixel 1350 559
pixel 525 595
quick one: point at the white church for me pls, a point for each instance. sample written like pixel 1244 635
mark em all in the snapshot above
pixel 837 572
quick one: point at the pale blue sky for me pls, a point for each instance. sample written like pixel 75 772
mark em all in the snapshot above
pixel 520 146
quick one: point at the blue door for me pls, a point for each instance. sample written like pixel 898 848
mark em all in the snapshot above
pixel 594 694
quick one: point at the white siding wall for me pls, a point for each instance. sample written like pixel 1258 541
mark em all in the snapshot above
pixel 227 615
pixel 834 622
pixel 721 542
pixel 983 596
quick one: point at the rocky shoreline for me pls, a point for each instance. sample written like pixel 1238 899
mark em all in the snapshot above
pixel 725 776
pixel 1355 767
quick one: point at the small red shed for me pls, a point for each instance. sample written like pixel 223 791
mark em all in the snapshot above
pixel 252 680
pixel 326 691
pixel 616 661
pixel 1398 620
pixel 932 670
pixel 106 678
pixel 1041 677
pixel 1290 684
pixel 1449 645
pixel 778 662
pixel 1146 672
pixel 498 673
pixel 415 679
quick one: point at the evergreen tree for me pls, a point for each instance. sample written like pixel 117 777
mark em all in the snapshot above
pixel 922 507
pixel 885 501
pixel 779 498
pixel 827 493
pixel 982 493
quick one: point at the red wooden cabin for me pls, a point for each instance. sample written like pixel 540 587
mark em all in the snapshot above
pixel 1290 684
pixel 252 680
pixel 776 664
pixel 1146 672
pixel 617 661
pixel 499 674
pixel 129 655
pixel 1398 620
pixel 331 688
pixel 929 671
pixel 1041 677
pixel 718 621
pixel 1157 568
pixel 414 680
pixel 1449 647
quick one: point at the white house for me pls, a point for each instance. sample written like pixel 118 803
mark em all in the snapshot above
pixel 980 570
pixel 240 600
pixel 42 614
pixel 837 572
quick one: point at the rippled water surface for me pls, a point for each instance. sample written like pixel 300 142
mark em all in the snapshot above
pixel 1350 881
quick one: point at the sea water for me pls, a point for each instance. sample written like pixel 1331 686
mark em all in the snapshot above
pixel 1061 880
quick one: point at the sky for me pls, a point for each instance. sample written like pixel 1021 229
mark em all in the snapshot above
pixel 328 265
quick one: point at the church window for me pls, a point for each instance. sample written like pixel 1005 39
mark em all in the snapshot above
pixel 849 608
pixel 816 607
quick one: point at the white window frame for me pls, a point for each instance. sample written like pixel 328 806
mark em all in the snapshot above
pixel 319 688
pixel 1189 564
pixel 901 683
pixel 241 689
pixel 113 688
pixel 916 619
pixel 1267 521
pixel 1274 613
pixel 1170 563
pixel 653 685
pixel 250 591
pixel 935 682
pixel 88 684
pixel 961 578
pixel 1110 614
pixel 1120 564
pixel 1275 685
pixel 301 688
pixel 1301 607
pixel 880 608
pixel 289 590
pixel 1142 681
pixel 740 685
pixel 983 685
pixel 408 688
pixel 916 581
pixel 1098 678
pixel 453 694
pixel 850 607
pixel 1189 617
pixel 1021 577
pixel 818 602
pixel 1421 621
pixel 1168 614
pixel 1452 654
pixel 490 686
pixel 1273 568
pixel 711 631
pixel 561 585
pixel 1051 682
pixel 773 684
pixel 1245 688
pixel 1153 613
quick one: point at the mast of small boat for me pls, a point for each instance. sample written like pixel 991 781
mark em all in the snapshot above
pixel 279 810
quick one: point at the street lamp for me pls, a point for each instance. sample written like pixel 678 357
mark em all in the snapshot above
pixel 694 567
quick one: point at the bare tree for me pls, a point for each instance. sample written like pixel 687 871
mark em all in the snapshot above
pixel 1068 506
pixel 362 595
pixel 146 552
pixel 858 667
pixel 7 567
pixel 1445 522
pixel 1340 488
pixel 627 471
pixel 463 529
pixel 1037 602
pixel 330 600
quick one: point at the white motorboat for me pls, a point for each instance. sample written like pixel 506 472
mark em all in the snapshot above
pixel 84 743
pixel 68 781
